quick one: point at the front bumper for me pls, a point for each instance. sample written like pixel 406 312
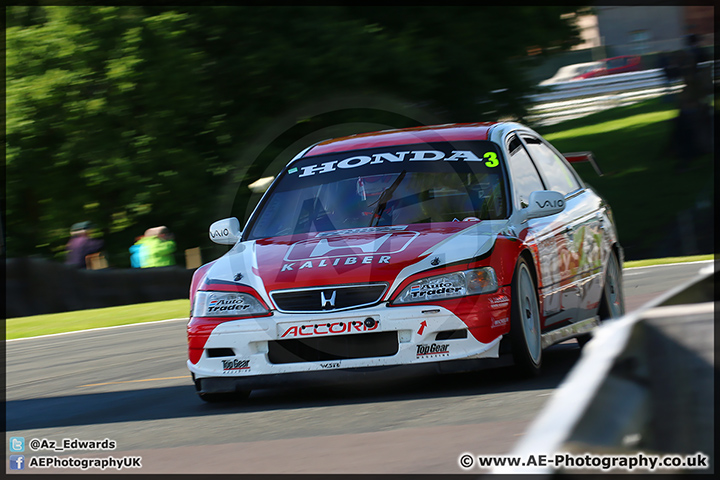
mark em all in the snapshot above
pixel 242 354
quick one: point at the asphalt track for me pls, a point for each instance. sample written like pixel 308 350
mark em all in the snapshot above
pixel 131 385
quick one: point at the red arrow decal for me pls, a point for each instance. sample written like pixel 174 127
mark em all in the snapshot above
pixel 422 327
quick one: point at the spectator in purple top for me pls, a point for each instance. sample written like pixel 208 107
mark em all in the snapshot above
pixel 80 245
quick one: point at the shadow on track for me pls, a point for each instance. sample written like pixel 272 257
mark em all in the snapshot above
pixel 181 401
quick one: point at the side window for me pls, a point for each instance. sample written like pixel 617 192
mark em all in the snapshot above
pixel 556 173
pixel 525 177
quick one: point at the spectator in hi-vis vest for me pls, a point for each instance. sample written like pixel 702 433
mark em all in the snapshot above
pixel 159 248
pixel 140 251
pixel 136 260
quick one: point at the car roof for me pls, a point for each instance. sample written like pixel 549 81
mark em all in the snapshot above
pixel 404 136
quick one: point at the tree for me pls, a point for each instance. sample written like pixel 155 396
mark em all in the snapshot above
pixel 133 117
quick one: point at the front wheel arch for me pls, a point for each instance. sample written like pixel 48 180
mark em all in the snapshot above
pixel 605 310
pixel 525 320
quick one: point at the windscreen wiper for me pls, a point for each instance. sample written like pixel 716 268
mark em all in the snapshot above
pixel 385 196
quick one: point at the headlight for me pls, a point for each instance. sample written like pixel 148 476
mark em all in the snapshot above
pixel 451 285
pixel 226 304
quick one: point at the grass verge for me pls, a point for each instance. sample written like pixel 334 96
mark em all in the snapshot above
pixel 37 325
pixel 654 203
pixel 667 260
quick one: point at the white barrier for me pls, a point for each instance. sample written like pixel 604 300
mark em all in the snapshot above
pixel 575 98
pixel 620 82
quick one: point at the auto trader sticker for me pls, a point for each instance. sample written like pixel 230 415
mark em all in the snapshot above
pixel 433 350
pixel 437 288
pixel 227 305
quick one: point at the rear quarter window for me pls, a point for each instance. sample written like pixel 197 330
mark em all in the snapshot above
pixel 556 173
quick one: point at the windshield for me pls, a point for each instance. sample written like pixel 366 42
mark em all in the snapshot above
pixel 397 185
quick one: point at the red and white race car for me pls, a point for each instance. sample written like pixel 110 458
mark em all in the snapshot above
pixel 429 249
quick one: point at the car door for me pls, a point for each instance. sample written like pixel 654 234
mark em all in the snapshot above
pixel 580 240
pixel 557 293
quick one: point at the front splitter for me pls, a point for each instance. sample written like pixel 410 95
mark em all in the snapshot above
pixel 347 376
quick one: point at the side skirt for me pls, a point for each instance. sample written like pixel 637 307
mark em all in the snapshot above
pixel 569 331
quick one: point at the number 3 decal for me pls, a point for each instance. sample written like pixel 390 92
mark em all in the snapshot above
pixel 492 160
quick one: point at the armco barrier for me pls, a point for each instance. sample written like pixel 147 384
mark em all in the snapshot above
pixel 643 385
pixel 617 83
pixel 570 99
pixel 36 286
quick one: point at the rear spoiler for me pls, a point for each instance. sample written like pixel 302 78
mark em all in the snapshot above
pixel 577 157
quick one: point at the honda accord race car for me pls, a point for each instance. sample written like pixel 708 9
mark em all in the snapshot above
pixel 428 249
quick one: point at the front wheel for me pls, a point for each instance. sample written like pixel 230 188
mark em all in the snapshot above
pixel 612 304
pixel 525 322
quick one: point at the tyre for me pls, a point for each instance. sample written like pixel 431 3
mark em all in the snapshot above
pixel 612 301
pixel 525 322
pixel 221 397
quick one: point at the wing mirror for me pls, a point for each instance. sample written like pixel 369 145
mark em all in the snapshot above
pixel 225 231
pixel 543 203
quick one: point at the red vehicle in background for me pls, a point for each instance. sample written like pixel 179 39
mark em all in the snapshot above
pixel 611 66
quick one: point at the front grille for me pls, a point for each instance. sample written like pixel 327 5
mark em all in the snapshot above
pixel 328 299
pixel 338 347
